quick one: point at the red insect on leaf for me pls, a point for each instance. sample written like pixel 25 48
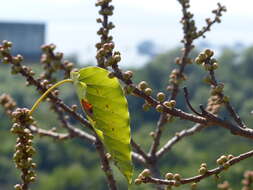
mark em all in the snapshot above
pixel 87 107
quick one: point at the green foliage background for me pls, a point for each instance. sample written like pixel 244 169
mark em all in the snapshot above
pixel 74 165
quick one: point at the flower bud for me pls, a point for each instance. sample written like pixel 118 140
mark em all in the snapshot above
pixel 219 161
pixel 143 85
pixel 202 57
pixel 146 106
pixel 230 156
pixel 137 181
pixel 198 61
pixel 203 165
pixel 146 173
pixel 193 185
pixel 177 177
pixel 18 187
pixel 215 66
pixel 152 134
pixel 148 91
pixel 160 96
pixel 173 103
pixel 202 170
pixel 169 176
pixel 159 108
pixel 127 75
pixel 209 53
pixel 226 165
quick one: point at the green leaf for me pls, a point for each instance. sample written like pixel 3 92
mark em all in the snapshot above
pixel 106 107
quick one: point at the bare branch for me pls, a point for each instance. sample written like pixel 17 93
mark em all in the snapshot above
pixel 228 106
pixel 72 130
pixel 186 95
pixel 139 150
pixel 178 137
pixel 198 178
pixel 137 157
pixel 105 165
pixel 218 13
pixel 49 133
pixel 234 115
pixel 158 133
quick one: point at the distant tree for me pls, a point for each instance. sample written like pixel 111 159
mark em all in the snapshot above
pixel 147 48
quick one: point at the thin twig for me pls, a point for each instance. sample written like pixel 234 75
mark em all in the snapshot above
pixel 105 165
pixel 186 95
pixel 218 14
pixel 137 157
pixel 50 133
pixel 177 138
pixel 228 106
pixel 139 150
pixel 158 133
pixel 234 115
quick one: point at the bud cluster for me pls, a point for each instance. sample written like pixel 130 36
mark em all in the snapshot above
pixel 7 58
pixel 224 160
pixel 209 22
pixel 248 180
pixel 203 169
pixel 128 89
pixel 194 186
pixel 175 179
pixel 217 89
pixel 53 61
pixel 170 104
pixel 160 96
pixel 214 104
pixel 224 186
pixel 205 59
pixel 24 150
pixel 142 176
pixel 105 55
pixel 8 103
pixel 5 51
pixel 175 78
pixel 144 87
pixel 189 26
pixel 218 12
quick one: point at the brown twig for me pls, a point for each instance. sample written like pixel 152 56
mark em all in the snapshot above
pixel 139 150
pixel 218 13
pixel 158 133
pixel 177 138
pixel 49 133
pixel 105 165
pixel 186 95
pixel 228 106
pixel 198 178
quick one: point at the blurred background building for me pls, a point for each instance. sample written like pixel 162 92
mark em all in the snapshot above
pixel 26 37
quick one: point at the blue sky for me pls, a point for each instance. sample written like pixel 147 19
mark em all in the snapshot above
pixel 71 23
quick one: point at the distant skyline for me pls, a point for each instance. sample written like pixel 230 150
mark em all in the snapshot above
pixel 71 23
